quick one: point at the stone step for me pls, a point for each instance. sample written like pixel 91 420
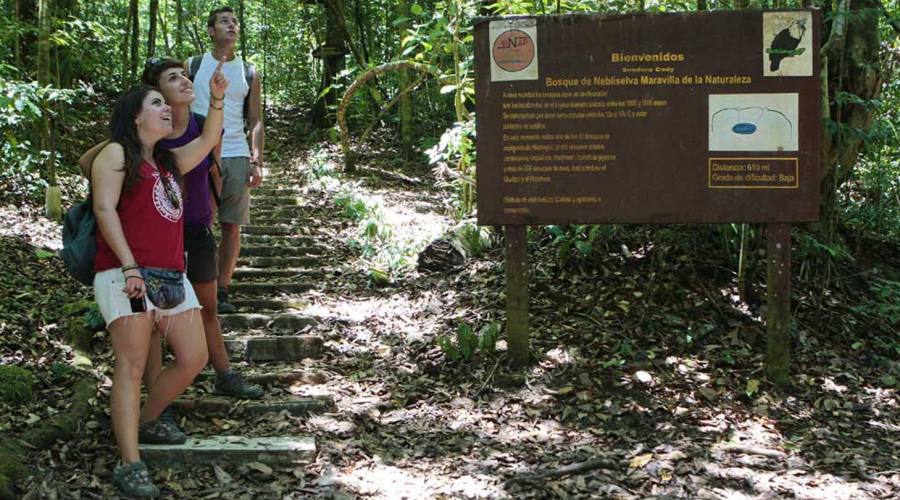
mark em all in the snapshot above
pixel 278 240
pixel 269 288
pixel 263 229
pixel 234 450
pixel 263 192
pixel 255 305
pixel 273 348
pixel 221 406
pixel 291 211
pixel 288 200
pixel 277 251
pixel 275 272
pixel 244 321
pixel 293 262
pixel 270 378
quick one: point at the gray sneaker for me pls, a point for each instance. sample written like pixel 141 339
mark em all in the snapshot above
pixel 160 432
pixel 224 306
pixel 233 385
pixel 134 481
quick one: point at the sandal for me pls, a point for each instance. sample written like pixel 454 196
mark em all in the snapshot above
pixel 133 480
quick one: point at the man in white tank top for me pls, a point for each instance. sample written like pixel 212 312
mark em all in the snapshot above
pixel 241 165
pixel 241 162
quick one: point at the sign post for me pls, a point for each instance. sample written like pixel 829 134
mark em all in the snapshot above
pixel 649 119
pixel 778 342
pixel 517 327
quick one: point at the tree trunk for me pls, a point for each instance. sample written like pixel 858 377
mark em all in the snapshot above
pixel 851 59
pixel 135 38
pixel 18 47
pixel 151 30
pixel 179 28
pixel 44 26
pixel 163 26
pixel 332 63
pixel 125 44
pixel 242 32
pixel 403 81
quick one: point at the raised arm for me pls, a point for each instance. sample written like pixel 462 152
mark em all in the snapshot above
pixel 88 158
pixel 189 155
pixel 107 176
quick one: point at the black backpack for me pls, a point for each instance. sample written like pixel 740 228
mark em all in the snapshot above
pixel 249 75
pixel 79 241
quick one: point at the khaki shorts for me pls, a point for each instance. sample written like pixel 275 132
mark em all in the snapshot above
pixel 234 207
pixel 114 304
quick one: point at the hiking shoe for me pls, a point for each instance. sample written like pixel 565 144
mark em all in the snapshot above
pixel 224 307
pixel 233 385
pixel 159 432
pixel 134 481
pixel 167 417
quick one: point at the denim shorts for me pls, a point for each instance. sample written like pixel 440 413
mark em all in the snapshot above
pixel 114 304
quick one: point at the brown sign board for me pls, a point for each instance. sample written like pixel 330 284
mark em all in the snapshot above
pixel 660 118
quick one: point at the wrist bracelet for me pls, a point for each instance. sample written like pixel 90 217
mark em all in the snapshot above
pixel 214 98
pixel 129 267
pixel 217 109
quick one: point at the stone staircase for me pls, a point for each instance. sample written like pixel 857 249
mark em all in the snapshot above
pixel 267 339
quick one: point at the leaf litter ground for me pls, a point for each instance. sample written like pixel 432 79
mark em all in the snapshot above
pixel 648 380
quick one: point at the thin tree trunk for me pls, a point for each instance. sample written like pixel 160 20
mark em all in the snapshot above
pixel 43 59
pixel 18 41
pixel 179 28
pixel 135 38
pixel 406 114
pixel 242 32
pixel 151 30
pixel 125 44
pixel 165 29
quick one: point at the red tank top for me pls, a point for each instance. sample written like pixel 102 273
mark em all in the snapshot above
pixel 152 224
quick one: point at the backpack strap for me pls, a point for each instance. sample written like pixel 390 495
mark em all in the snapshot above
pixel 194 66
pixel 249 75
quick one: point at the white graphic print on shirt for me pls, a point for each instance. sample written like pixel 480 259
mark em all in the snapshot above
pixel 161 200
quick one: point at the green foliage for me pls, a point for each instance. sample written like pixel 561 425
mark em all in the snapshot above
pixel 16 384
pixel 884 306
pixel 25 108
pixel 477 239
pixel 578 240
pixel 468 343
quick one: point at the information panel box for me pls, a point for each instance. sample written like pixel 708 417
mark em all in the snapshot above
pixel 697 117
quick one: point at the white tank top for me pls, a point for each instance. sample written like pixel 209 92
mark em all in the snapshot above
pixel 234 140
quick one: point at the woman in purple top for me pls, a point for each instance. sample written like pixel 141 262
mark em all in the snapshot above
pixel 170 77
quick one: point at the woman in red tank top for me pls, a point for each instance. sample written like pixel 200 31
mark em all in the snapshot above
pixel 139 209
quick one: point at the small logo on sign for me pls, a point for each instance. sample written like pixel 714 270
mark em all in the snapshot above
pixel 513 50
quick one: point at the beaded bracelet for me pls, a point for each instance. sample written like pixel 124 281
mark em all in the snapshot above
pixel 129 267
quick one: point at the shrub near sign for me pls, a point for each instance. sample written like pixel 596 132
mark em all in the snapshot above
pixel 662 118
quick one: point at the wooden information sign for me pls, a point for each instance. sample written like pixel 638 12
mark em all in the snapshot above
pixel 703 117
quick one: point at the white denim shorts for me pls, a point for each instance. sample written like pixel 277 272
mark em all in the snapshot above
pixel 114 304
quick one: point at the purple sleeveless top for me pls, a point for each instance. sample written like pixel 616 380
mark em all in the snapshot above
pixel 197 212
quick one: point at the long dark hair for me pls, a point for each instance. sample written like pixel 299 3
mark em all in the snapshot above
pixel 123 129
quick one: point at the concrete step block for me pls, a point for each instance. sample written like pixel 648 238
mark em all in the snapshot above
pixel 273 347
pixel 233 450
